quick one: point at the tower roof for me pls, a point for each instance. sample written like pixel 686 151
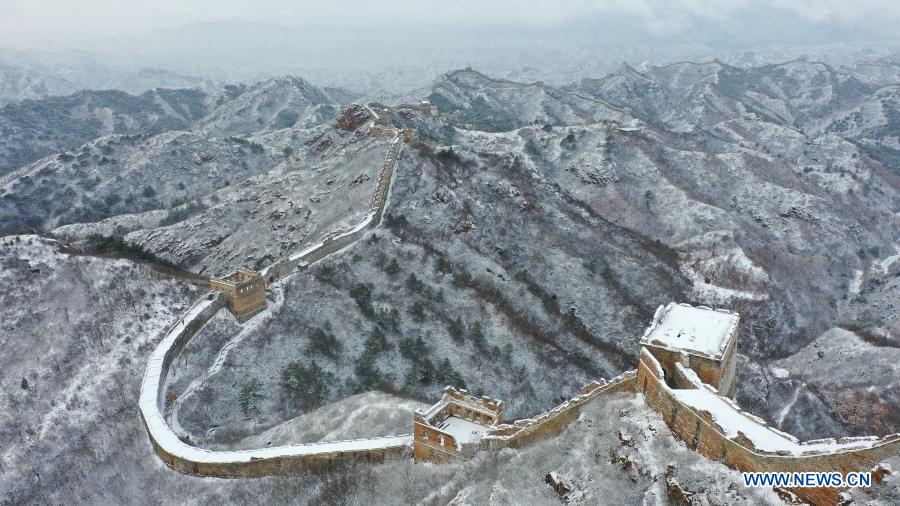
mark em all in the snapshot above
pixel 696 330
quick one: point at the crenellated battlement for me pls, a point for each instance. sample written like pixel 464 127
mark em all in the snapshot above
pixel 454 426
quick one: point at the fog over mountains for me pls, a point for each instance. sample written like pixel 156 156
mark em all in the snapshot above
pixel 390 54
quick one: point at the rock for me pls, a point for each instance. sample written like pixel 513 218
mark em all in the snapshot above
pixel 879 472
pixel 677 495
pixel 557 484
pixel 844 499
pixel 787 496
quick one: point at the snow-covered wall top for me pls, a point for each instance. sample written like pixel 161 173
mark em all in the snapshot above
pixel 732 422
pixel 170 445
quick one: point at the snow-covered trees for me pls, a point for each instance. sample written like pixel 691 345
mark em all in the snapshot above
pixel 306 386
pixel 323 342
pixel 249 396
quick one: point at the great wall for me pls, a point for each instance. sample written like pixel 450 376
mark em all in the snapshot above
pixel 686 359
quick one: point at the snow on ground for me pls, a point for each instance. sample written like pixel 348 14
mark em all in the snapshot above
pixel 75 334
pixel 855 282
pixel 839 376
pixel 363 415
pixel 779 418
pixel 462 430
pixel 216 365
pixel 720 270
pixel 617 451
pixel 863 364
pixel 884 264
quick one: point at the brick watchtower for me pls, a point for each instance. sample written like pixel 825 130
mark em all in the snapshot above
pixel 245 291
pixel 700 338
pixel 453 427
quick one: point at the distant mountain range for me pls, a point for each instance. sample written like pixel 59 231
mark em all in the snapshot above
pixel 366 60
pixel 38 74
pixel 31 129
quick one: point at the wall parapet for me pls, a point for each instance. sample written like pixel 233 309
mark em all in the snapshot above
pixel 190 459
pixel 336 242
pixel 550 423
pixel 715 437
pixel 193 460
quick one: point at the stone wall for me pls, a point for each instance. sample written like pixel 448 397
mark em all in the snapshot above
pixel 185 329
pixel 258 467
pixel 551 423
pixel 192 460
pixel 702 434
pixel 433 445
pixel 302 259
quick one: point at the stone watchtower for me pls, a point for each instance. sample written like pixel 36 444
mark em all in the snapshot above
pixel 453 427
pixel 700 338
pixel 245 291
pixel 427 109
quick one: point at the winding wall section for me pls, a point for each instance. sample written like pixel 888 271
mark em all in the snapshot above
pixel 265 461
pixel 698 428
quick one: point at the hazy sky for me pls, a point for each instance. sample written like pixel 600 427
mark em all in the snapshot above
pixel 25 23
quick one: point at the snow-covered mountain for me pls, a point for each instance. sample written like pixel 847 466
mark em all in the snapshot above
pixel 532 231
pixel 483 103
pixel 32 75
pixel 34 128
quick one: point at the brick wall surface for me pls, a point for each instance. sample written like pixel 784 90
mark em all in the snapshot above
pixel 701 434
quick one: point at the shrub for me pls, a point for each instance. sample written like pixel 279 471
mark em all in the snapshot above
pixel 417 311
pixel 532 150
pixel 117 246
pixel 286 118
pixel 362 294
pixel 249 396
pixel 389 318
pixel 477 333
pixel 377 341
pixel 327 273
pixel 448 155
pixel 368 375
pixel 394 221
pixel 456 329
pixel 413 283
pixel 443 266
pixel 112 199
pixel 421 373
pixel 414 349
pixel 306 386
pixel 393 268
pixel 324 343
pixel 182 213
pixel 447 376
